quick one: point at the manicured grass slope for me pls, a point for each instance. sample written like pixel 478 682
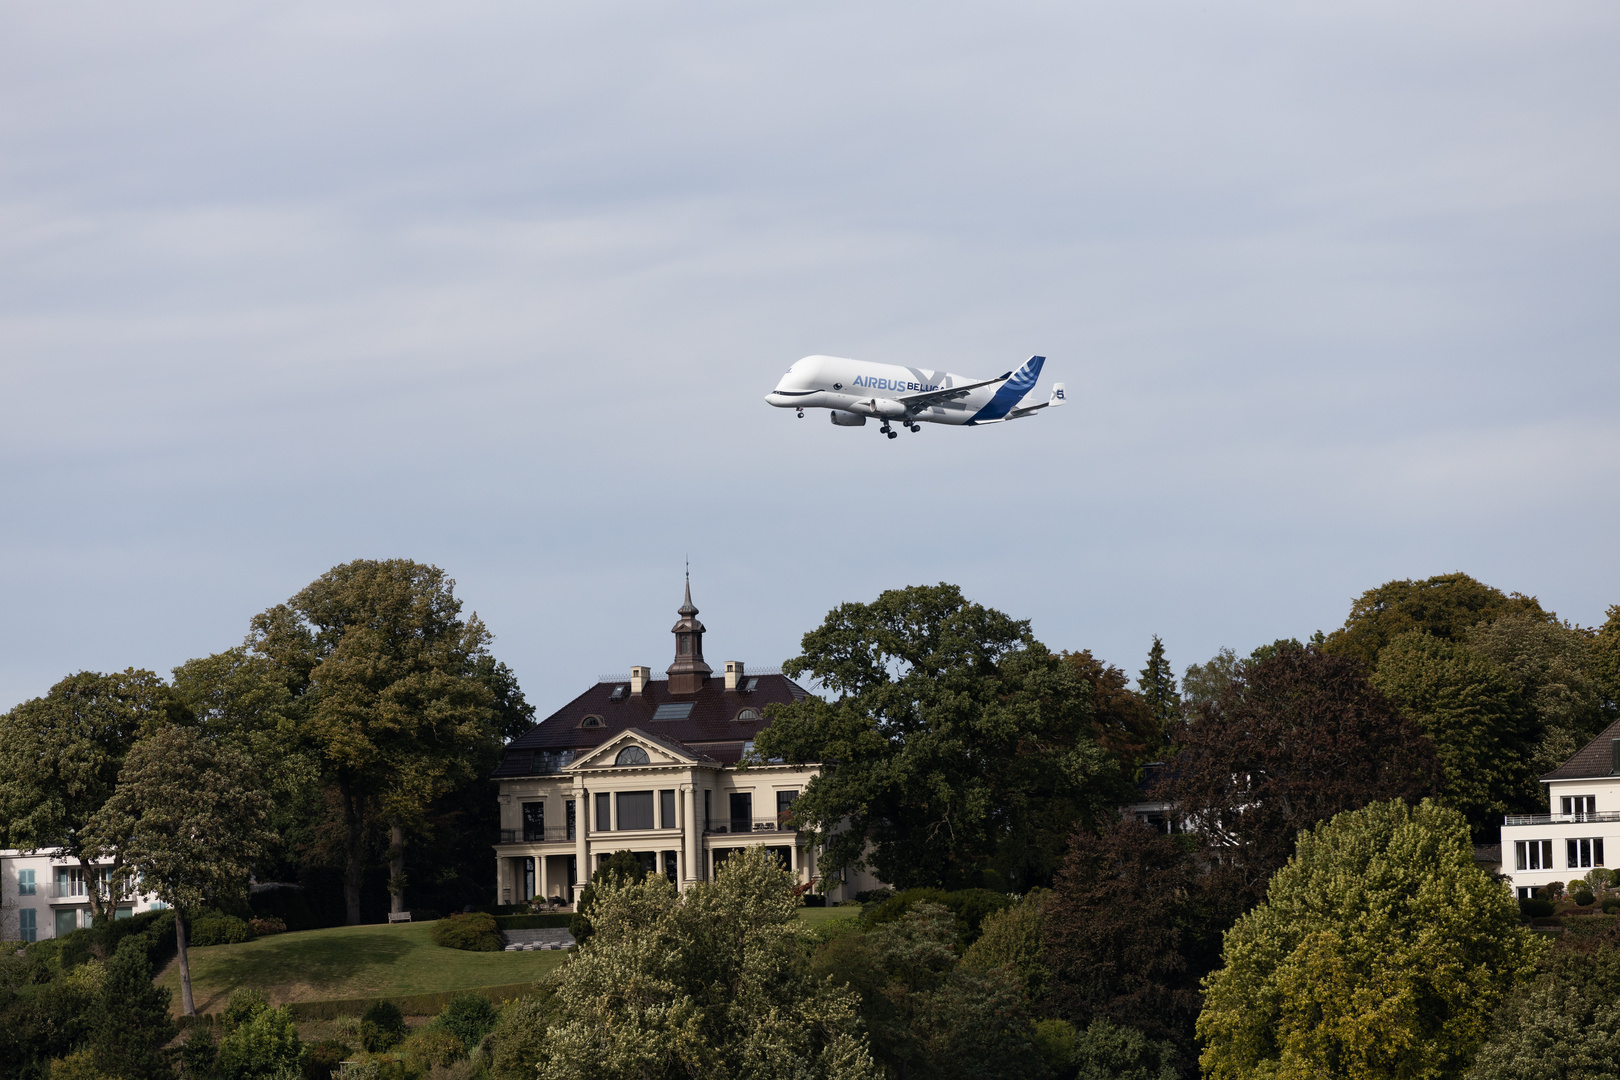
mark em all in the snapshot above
pixel 818 916
pixel 348 962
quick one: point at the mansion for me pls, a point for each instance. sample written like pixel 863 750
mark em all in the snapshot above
pixel 1581 826
pixel 661 767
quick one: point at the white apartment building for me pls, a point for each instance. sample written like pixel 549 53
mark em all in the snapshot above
pixel 1581 828
pixel 660 767
pixel 43 895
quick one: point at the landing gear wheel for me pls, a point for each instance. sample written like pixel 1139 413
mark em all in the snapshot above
pixel 916 428
pixel 894 434
pixel 801 414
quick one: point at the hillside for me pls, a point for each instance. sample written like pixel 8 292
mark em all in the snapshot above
pixel 348 962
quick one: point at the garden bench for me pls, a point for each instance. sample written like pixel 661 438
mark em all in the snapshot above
pixel 399 916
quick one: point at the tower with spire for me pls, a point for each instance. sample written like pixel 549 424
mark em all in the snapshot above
pixel 688 673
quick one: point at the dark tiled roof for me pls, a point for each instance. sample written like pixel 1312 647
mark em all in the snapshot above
pixel 710 731
pixel 1596 758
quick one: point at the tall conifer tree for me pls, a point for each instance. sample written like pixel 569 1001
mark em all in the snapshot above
pixel 1158 685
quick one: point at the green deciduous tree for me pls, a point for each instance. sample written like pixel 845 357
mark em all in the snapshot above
pixel 1380 952
pixel 1122 722
pixel 1605 668
pixel 928 1015
pixel 1203 684
pixel 710 983
pixel 1447 606
pixel 1473 712
pixel 956 742
pixel 1015 938
pixel 59 762
pixel 188 818
pixel 385 677
pixel 1565 1023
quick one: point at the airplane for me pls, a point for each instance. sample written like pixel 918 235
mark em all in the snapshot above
pixel 855 390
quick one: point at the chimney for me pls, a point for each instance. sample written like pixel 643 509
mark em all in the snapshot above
pixel 639 678
pixel 734 674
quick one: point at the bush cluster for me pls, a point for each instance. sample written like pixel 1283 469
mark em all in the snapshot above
pixel 219 930
pixel 968 906
pixel 263 926
pixel 475 932
pixel 381 1028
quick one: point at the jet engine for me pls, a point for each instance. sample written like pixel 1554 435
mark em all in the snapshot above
pixel 847 419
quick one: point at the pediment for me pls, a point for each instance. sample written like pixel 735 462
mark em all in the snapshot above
pixel 659 752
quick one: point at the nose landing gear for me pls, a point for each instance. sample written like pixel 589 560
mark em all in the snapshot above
pixel 801 414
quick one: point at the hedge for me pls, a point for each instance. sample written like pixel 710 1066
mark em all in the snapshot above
pixel 532 922
pixel 415 1005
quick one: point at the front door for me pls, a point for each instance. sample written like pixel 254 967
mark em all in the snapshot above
pixel 742 811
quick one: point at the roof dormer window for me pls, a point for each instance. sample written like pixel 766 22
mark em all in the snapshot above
pixel 591 721
pixel 748 716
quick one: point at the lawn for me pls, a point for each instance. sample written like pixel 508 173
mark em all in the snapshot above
pixel 348 962
pixel 816 917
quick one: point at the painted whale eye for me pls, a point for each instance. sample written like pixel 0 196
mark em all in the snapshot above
pixel 838 386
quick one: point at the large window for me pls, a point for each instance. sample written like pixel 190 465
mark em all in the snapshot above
pixel 666 810
pixel 534 821
pixel 784 805
pixel 635 810
pixel 604 812
pixel 568 812
pixel 27 928
pixel 67 921
pixel 1533 854
pixel 671 867
pixel 742 811
pixel 25 884
pixel 1579 804
pixel 1585 853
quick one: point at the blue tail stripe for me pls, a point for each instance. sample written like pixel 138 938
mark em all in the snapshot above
pixel 1012 391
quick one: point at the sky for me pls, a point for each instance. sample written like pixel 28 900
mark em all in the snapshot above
pixel 500 287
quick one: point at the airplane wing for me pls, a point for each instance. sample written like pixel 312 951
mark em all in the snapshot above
pixel 949 393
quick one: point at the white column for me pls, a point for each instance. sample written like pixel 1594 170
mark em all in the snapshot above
pixel 541 860
pixel 582 828
pixel 503 880
pixel 691 833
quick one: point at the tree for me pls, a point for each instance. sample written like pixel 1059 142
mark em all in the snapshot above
pixel 1556 669
pixel 59 761
pixel 188 818
pixel 132 1024
pixel 1472 711
pixel 927 1014
pixel 1606 665
pixel 1380 951
pixel 385 676
pixel 621 866
pixel 1447 606
pixel 956 743
pixel 1292 740
pixel 1121 926
pixel 713 982
pixel 1158 691
pixel 1015 938
pixel 1204 683
pixel 1122 723
pixel 1565 1024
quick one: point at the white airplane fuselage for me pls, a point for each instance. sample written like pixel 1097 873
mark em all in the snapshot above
pixel 855 390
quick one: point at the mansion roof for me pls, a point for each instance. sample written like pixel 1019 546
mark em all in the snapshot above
pixel 715 723
pixel 1596 758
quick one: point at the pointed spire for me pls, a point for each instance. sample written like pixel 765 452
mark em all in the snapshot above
pixel 687 609
pixel 688 673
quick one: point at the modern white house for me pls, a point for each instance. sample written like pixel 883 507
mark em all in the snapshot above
pixel 43 895
pixel 1581 828
pixel 661 767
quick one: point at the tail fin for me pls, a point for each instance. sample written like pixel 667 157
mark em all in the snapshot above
pixel 1057 395
pixel 1023 380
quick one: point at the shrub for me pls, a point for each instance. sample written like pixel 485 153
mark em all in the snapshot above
pixel 1535 908
pixel 969 906
pixel 474 933
pixel 382 1027
pixel 268 925
pixel 1611 905
pixel 1584 898
pixel 219 930
pixel 289 903
pixel 323 1059
pixel 1106 1051
pixel 1555 889
pixel 432 1046
pixel 469 1018
pixel 242 1006
pixel 520 1037
pixel 78 1066
pixel 198 1052
pixel 261 1048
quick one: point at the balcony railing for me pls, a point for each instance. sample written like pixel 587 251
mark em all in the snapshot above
pixel 551 834
pixel 1559 819
pixel 744 825
pixel 65 890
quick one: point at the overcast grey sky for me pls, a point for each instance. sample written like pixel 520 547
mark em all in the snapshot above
pixel 499 286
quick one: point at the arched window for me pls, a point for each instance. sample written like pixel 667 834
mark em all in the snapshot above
pixel 632 755
pixel 591 721
pixel 747 716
